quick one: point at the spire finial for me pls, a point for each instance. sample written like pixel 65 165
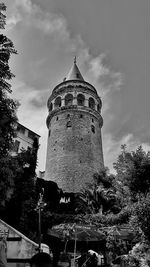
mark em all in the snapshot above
pixel 75 60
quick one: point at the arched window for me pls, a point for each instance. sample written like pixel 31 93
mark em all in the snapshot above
pixel 57 102
pixel 68 100
pixel 80 99
pixel 51 107
pixel 91 103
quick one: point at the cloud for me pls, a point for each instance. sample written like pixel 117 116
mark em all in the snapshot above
pixel 27 14
pixel 103 75
pixel 32 15
pixel 46 46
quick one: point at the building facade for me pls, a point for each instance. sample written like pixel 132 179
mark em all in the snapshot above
pixel 74 149
pixel 19 248
pixel 24 139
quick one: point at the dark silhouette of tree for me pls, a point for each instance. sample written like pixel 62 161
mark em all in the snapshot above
pixel 8 116
pixel 133 171
pixel 7 105
pixel 24 197
pixel 99 196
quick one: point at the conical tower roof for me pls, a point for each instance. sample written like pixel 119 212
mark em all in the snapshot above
pixel 74 73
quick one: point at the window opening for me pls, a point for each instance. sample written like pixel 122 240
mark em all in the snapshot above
pixel 57 102
pixel 31 135
pixel 80 99
pixel 68 100
pixel 69 124
pixel 21 129
pixel 91 103
pixel 16 146
pixel 93 128
pixel 51 107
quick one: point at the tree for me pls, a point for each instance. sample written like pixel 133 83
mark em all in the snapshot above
pixel 133 182
pixel 141 215
pixel 24 197
pixel 133 171
pixel 99 196
pixel 8 106
pixel 8 116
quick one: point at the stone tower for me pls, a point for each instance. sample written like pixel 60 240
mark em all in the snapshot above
pixel 74 149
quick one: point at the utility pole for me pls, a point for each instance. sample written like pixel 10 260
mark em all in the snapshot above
pixel 40 206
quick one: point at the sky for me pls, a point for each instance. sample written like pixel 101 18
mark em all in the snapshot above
pixel 111 40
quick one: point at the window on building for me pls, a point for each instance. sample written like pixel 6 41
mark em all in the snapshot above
pixel 31 135
pixel 57 102
pixel 93 128
pixel 80 99
pixel 91 103
pixel 51 107
pixel 68 100
pixel 16 146
pixel 20 129
pixel 69 124
pixel 81 116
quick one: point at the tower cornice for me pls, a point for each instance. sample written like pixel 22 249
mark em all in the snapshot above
pixel 84 109
pixel 75 83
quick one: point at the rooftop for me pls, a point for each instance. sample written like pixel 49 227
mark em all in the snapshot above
pixel 74 73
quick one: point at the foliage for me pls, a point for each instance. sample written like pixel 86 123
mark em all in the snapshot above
pixel 7 105
pixel 141 212
pixel 25 197
pixel 133 185
pixel 115 246
pixel 9 168
pixel 100 196
pixel 139 256
pixel 2 16
pixel 133 171
pixel 22 196
pixel 7 117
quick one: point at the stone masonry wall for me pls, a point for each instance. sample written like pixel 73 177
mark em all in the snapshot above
pixel 74 150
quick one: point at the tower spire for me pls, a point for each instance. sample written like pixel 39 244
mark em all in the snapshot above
pixel 74 73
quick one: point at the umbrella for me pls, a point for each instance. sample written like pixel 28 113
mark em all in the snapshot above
pixel 77 233
pixel 74 231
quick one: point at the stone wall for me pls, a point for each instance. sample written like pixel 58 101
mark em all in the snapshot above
pixel 74 151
